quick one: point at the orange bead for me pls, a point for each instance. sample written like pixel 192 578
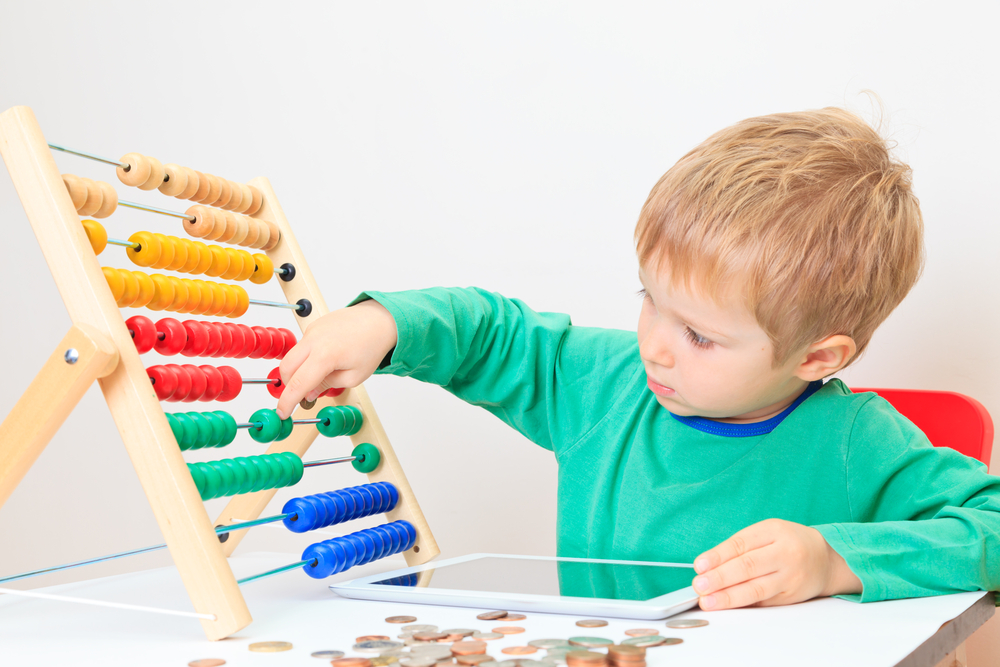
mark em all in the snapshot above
pixel 95 198
pixel 147 289
pixel 109 201
pixel 180 294
pixel 203 223
pixel 131 292
pixel 232 226
pixel 263 234
pixel 249 265
pixel 204 259
pixel 163 295
pixel 218 298
pixel 257 200
pixel 230 300
pixel 180 253
pixel 241 229
pixel 225 193
pixel 263 269
pixel 96 234
pixel 235 198
pixel 166 252
pixel 221 225
pixel 246 198
pixel 149 250
pixel 77 190
pixel 175 180
pixel 242 302
pixel 193 183
pixel 207 297
pixel 235 264
pixel 115 281
pixel 193 256
pixel 138 171
pixel 194 295
pixel 204 186
pixel 220 261
pixel 253 231
pixel 214 190
pixel 156 175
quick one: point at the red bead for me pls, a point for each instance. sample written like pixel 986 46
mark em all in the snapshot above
pixel 199 383
pixel 275 389
pixel 214 381
pixel 197 338
pixel 333 393
pixel 277 344
pixel 183 383
pixel 164 381
pixel 227 339
pixel 232 383
pixel 143 333
pixel 238 339
pixel 289 340
pixel 249 341
pixel 263 342
pixel 174 337
pixel 214 340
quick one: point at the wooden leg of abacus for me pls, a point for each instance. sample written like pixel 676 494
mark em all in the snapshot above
pixel 81 357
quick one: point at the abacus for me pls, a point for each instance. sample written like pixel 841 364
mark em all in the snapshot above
pixel 101 345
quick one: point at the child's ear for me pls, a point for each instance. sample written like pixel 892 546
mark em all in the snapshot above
pixel 826 357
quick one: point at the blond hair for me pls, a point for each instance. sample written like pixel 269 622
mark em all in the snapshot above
pixel 805 216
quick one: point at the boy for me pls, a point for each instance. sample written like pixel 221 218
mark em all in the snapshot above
pixel 768 257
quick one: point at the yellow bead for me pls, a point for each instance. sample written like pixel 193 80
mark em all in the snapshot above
pixel 218 298
pixel 235 264
pixel 207 297
pixel 264 271
pixel 180 294
pixel 131 289
pixel 149 250
pixel 242 302
pixel 193 256
pixel 180 253
pixel 115 281
pixel 220 261
pixel 249 265
pixel 96 234
pixel 204 258
pixel 164 293
pixel 194 295
pixel 166 252
pixel 147 289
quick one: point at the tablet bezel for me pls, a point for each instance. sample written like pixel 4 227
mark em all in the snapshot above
pixel 653 609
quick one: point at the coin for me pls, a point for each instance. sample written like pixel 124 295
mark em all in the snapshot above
pixel 328 655
pixel 384 660
pixel 431 651
pixel 416 662
pixel 627 653
pixel 401 619
pixel 509 630
pixel 519 650
pixel 514 617
pixel 641 632
pixel 487 635
pixel 678 623
pixel 590 642
pixel 465 632
pixel 376 646
pixel 502 663
pixel 372 638
pixel 491 615
pixel 351 662
pixel 586 657
pixel 447 639
pixel 429 636
pixel 473 659
pixel 592 623
pixel 559 654
pixel 207 662
pixel 271 647
pixel 654 640
pixel 444 663
pixel 468 648
pixel 419 628
pixel 548 643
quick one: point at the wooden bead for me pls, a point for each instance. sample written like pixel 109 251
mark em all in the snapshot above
pixel 263 234
pixel 163 294
pixel 225 193
pixel 194 296
pixel 180 294
pixel 204 185
pixel 193 182
pixel 241 229
pixel 204 258
pixel 246 198
pixel 193 256
pixel 218 298
pixel 148 252
pixel 180 253
pixel 236 199
pixel 77 190
pixel 248 265
pixel 95 198
pixel 242 302
pixel 275 235
pixel 156 174
pixel 115 282
pixel 138 171
pixel 214 190
pixel 204 298
pixel 220 261
pixel 203 224
pixel 175 180
pixel 166 257
pixel 220 226
pixel 109 202
pixel 253 231
pixel 96 234
pixel 229 228
pixel 256 200
pixel 235 264
pixel 229 305
pixel 147 289
pixel 131 289
pixel 263 269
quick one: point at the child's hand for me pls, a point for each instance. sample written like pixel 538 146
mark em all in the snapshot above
pixel 340 349
pixel 773 562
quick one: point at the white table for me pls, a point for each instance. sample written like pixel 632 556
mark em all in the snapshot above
pixel 295 608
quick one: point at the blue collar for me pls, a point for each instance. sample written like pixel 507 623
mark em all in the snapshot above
pixel 747 430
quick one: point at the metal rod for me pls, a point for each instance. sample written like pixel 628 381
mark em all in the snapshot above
pixel 273 381
pixel 326 462
pixel 127 244
pixel 275 304
pixel 260 425
pixel 219 530
pixel 279 570
pixel 153 209
pixel 91 156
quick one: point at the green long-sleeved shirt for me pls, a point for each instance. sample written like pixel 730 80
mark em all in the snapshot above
pixel 637 483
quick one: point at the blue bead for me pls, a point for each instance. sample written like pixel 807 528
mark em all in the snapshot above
pixel 341 508
pixel 393 495
pixel 383 545
pixel 359 503
pixel 369 499
pixel 326 560
pixel 351 550
pixel 305 515
pixel 389 539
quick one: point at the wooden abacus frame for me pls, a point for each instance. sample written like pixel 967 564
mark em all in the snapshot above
pixel 105 352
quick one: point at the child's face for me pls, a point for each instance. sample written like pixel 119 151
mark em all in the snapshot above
pixel 710 360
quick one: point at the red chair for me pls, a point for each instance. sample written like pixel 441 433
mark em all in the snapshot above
pixel 947 419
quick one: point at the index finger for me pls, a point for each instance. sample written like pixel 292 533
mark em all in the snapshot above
pixel 752 537
pixel 295 364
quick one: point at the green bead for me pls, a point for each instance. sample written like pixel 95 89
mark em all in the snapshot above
pixel 190 430
pixel 286 429
pixel 270 425
pixel 358 420
pixel 199 478
pixel 213 481
pixel 178 430
pixel 263 473
pixel 218 428
pixel 230 427
pixel 368 457
pixel 204 435
pixel 333 421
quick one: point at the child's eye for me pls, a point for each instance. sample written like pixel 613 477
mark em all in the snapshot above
pixel 642 293
pixel 696 340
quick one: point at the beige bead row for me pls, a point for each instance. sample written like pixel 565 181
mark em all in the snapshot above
pixel 146 173
pixel 231 227
pixel 95 198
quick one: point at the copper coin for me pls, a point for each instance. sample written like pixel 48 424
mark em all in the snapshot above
pixel 468 648
pixel 384 660
pixel 586 656
pixel 641 632
pixel 627 653
pixel 679 623
pixel 514 617
pixel 429 636
pixel 655 640
pixel 447 639
pixel 272 647
pixel 473 659
pixel 207 662
pixel 590 642
pixel 444 663
pixel 509 630
pixel 465 632
pixel 372 638
pixel 591 623
pixel 401 619
pixel 491 615
pixel 487 636
pixel 519 650
pixel 351 662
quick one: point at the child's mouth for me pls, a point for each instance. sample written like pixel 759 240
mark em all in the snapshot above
pixel 659 389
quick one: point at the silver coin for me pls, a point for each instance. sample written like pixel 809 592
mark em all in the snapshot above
pixel 436 651
pixel 419 628
pixel 488 635
pixel 549 643
pixel 393 652
pixel 328 655
pixel 465 632
pixel 678 623
pixel 418 661
pixel 501 663
pixel 404 635
pixel 558 655
pixel 590 642
pixel 649 640
pixel 376 646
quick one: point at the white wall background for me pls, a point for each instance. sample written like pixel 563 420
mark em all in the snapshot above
pixel 508 146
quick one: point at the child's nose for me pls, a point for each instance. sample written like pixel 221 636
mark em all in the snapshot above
pixel 656 349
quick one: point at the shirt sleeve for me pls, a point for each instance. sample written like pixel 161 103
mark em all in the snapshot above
pixel 927 518
pixel 538 373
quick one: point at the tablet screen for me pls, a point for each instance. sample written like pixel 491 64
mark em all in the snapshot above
pixel 616 581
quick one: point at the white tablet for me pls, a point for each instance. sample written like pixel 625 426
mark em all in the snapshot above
pixel 614 588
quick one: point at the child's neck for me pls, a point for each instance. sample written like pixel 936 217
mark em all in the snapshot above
pixel 765 413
